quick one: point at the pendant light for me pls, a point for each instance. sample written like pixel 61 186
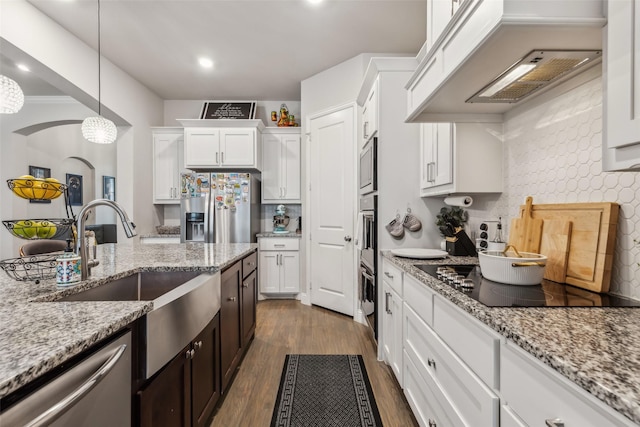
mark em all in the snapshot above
pixel 11 96
pixel 98 129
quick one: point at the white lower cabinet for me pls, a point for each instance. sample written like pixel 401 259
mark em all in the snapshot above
pixel 279 260
pixel 392 318
pixel 539 396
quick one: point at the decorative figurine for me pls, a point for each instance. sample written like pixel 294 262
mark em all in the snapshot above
pixel 284 116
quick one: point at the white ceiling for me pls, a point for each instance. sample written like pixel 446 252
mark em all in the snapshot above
pixel 262 49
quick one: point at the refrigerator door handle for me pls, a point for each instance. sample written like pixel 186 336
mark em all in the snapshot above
pixel 208 219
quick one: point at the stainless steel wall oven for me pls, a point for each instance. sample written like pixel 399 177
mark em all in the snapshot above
pixel 367 289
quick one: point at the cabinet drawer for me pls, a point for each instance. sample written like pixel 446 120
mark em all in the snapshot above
pixel 276 244
pixel 472 400
pixel 419 297
pixel 249 264
pixel 393 276
pixel 473 342
pixel 536 393
pixel 427 403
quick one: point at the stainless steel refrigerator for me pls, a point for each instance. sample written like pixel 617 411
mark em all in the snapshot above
pixel 219 207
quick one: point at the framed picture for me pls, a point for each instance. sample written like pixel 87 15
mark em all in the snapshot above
pixel 74 182
pixel 109 187
pixel 229 110
pixel 40 173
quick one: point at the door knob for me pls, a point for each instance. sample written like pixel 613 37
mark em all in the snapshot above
pixel 347 238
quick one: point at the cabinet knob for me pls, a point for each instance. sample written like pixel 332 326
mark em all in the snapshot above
pixel 556 422
pixel 431 363
pixel 197 345
pixel 245 285
pixel 390 276
pixel 432 423
pixel 189 354
pixel 231 299
pixel 347 238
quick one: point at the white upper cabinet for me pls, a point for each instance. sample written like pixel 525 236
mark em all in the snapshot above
pixel 370 113
pixel 281 165
pixel 439 12
pixel 460 158
pixel 222 144
pixel 621 145
pixel 168 163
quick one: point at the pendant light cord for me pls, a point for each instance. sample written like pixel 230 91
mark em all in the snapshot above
pixel 99 66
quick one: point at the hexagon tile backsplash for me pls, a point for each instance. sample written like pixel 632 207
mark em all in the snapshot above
pixel 553 152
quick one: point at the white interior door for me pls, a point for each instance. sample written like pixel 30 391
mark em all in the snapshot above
pixel 333 203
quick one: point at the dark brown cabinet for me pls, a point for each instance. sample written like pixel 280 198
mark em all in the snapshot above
pixel 185 392
pixel 238 313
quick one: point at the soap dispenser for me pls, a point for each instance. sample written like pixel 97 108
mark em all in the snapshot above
pixel 68 267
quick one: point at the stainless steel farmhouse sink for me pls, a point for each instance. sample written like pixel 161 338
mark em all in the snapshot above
pixel 184 302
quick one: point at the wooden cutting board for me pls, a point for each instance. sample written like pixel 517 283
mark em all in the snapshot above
pixel 591 242
pixel 554 243
pixel 526 231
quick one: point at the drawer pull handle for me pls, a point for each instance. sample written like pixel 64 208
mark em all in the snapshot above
pixel 390 276
pixel 189 354
pixel 197 345
pixel 231 299
pixel 279 246
pixel 431 363
pixel 245 285
pixel 556 422
pixel 432 423
pixel 386 302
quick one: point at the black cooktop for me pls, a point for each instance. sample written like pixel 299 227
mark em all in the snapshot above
pixel 468 279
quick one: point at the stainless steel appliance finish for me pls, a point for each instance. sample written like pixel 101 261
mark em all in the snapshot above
pixel 468 280
pixel 228 203
pixel 368 170
pixel 184 302
pixel 368 242
pixel 95 392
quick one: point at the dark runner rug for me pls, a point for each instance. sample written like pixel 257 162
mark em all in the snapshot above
pixel 325 391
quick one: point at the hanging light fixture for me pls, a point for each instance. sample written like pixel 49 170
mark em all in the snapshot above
pixel 11 96
pixel 98 129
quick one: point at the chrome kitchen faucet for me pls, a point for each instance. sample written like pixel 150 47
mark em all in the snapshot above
pixel 83 252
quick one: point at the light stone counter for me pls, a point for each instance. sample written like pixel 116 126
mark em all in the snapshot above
pixel 39 333
pixel 596 348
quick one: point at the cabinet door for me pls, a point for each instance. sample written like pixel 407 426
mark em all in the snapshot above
pixel 271 169
pixel 395 351
pixel 205 373
pixel 444 154
pixel 249 300
pixel 269 268
pixel 166 400
pixel 428 142
pixel 439 14
pixel 201 147
pixel 387 323
pixel 622 86
pixel 230 338
pixel 237 147
pixel 372 113
pixel 166 167
pixel 291 167
pixel 290 272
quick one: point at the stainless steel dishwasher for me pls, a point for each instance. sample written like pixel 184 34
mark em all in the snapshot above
pixel 94 392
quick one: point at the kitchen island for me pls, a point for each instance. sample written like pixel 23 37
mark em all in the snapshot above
pixel 39 333
pixel 597 349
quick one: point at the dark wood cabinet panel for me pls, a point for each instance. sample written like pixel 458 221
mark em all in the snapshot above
pixel 205 373
pixel 249 264
pixel 166 401
pixel 249 299
pixel 230 336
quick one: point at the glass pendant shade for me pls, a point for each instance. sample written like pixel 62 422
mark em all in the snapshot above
pixel 99 130
pixel 11 96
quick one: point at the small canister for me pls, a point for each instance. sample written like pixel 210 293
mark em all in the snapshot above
pixel 68 267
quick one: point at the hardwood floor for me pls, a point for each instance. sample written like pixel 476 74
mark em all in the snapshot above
pixel 289 327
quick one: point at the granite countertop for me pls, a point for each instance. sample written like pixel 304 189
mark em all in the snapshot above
pixel 272 234
pixel 39 333
pixel 596 348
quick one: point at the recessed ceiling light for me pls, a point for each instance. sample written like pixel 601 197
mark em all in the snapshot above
pixel 23 67
pixel 205 62
pixel 314 1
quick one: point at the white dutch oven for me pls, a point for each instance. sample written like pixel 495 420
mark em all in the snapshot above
pixel 512 267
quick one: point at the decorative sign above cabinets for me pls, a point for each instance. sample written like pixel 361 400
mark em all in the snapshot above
pixel 228 110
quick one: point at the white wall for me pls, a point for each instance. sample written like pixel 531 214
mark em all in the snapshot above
pixel 553 152
pixel 71 65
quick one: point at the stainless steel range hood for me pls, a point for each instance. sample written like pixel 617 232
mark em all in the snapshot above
pixel 486 40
